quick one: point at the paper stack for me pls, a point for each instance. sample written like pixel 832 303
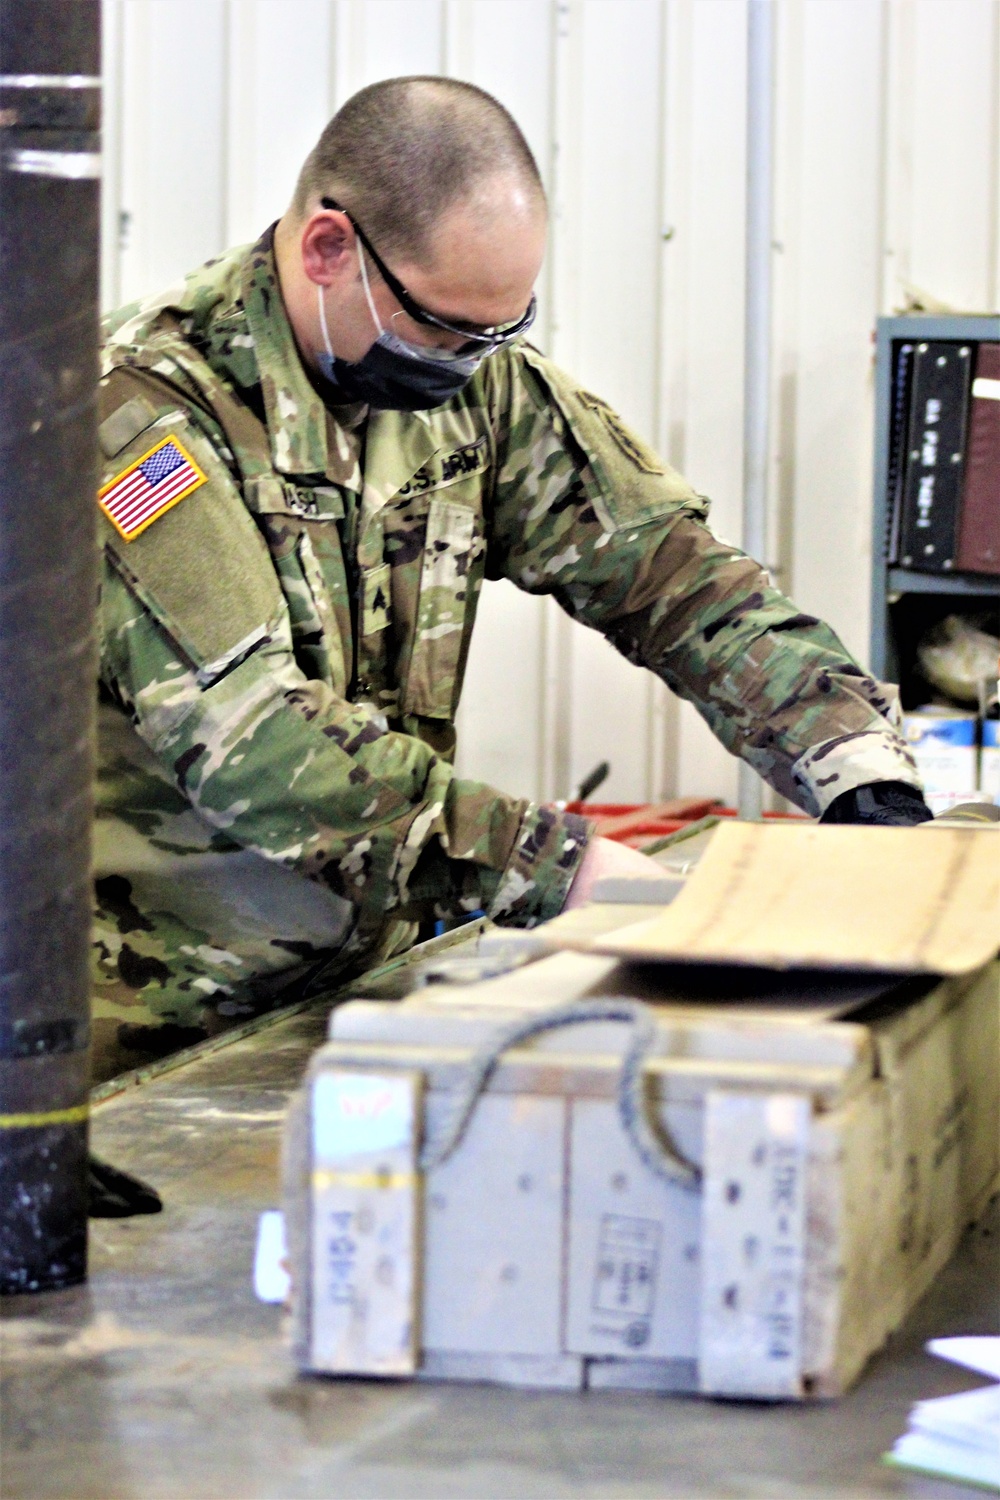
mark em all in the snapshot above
pixel 957 1437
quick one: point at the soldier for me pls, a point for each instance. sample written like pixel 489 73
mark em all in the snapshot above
pixel 316 448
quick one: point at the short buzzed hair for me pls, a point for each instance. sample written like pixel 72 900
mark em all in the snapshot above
pixel 400 153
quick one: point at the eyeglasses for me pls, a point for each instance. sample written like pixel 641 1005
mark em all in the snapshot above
pixel 487 340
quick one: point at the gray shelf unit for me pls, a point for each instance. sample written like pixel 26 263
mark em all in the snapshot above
pixel 895 587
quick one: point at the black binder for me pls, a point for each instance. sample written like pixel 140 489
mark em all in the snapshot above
pixel 932 489
pixel 899 432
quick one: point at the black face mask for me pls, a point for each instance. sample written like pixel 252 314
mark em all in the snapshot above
pixel 395 375
pixel 393 382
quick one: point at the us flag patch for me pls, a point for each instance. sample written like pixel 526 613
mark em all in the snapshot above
pixel 149 487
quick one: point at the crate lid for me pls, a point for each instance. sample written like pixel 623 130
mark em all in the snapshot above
pixel 802 895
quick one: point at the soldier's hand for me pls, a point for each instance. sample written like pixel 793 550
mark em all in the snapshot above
pixel 603 858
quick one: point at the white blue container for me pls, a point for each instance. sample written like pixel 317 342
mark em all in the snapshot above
pixel 943 742
pixel 989 760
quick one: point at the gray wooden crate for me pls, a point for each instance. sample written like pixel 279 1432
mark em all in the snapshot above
pixel 549 1255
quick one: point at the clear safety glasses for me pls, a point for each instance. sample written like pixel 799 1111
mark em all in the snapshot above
pixel 476 337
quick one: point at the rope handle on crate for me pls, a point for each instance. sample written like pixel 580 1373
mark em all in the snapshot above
pixel 654 1147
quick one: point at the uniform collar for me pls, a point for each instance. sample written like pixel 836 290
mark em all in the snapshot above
pixel 296 415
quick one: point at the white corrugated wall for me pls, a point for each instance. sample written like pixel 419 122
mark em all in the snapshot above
pixel 887 178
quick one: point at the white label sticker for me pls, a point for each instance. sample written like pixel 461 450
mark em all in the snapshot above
pixel 627 1255
pixel 364 1222
pixel 271 1281
pixel 354 1113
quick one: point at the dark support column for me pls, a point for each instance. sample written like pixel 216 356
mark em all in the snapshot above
pixel 49 202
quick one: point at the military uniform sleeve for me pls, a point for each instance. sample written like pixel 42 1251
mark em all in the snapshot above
pixel 585 511
pixel 197 648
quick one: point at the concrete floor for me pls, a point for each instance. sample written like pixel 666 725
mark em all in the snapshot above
pixel 165 1377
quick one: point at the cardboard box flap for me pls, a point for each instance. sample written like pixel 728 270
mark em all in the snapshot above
pixel 786 896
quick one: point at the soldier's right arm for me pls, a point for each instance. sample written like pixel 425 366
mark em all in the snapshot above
pixel 196 646
pixel 584 511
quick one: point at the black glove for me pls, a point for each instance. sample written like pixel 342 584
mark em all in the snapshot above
pixel 884 802
pixel 117 1195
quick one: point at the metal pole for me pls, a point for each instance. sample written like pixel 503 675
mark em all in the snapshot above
pixel 757 345
pixel 49 202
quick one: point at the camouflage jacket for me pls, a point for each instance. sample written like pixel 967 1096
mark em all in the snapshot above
pixel 283 649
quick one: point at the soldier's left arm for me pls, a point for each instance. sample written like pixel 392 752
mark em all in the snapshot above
pixel 583 510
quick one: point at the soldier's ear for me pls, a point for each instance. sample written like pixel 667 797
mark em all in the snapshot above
pixel 327 246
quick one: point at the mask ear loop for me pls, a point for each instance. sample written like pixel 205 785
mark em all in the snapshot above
pixel 368 297
pixel 403 346
pixel 322 322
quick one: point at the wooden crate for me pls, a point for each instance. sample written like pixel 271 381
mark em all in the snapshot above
pixel 843 1151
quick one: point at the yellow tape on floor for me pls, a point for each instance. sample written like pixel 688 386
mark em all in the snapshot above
pixel 70 1116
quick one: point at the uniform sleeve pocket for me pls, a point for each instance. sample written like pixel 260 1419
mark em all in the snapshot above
pixel 201 567
pixel 628 483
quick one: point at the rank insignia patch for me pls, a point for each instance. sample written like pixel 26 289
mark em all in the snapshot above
pixel 146 489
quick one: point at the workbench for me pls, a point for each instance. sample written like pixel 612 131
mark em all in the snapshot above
pixel 165 1377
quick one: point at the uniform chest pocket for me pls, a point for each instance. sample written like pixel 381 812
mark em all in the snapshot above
pixel 452 543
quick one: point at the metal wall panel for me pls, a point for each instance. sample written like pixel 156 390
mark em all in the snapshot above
pixel 827 275
pixel 173 139
pixel 887 177
pixel 711 132
pixel 606 193
pixel 278 100
pixel 507 46
pixel 383 39
pixel 953 205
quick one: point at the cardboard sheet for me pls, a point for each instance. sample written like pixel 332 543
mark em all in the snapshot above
pixel 799 895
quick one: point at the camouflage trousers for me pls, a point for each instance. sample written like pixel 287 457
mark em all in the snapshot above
pixel 193 934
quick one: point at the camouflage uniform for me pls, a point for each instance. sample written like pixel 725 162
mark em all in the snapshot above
pixel 283 651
